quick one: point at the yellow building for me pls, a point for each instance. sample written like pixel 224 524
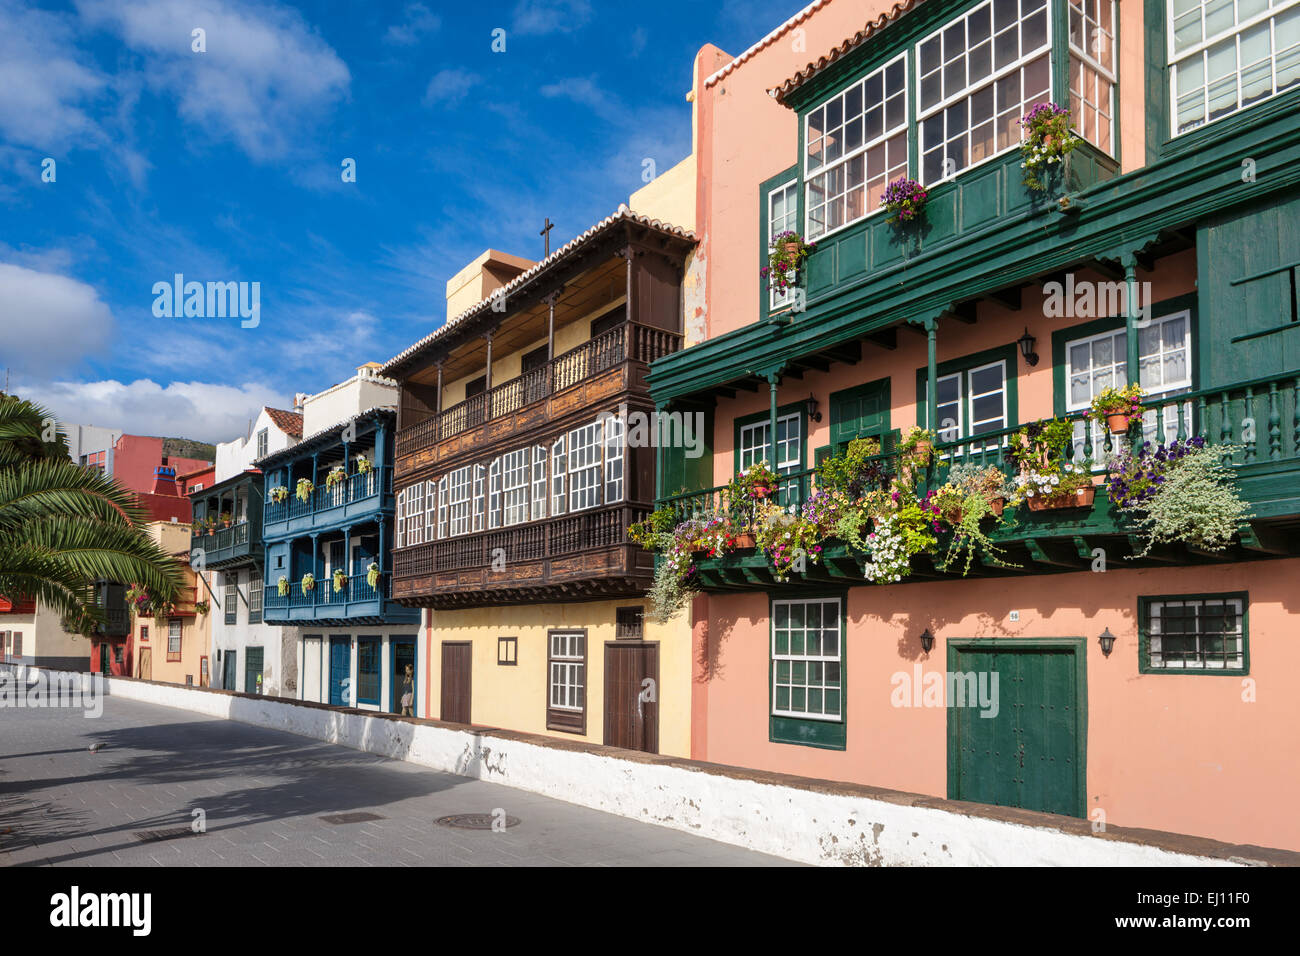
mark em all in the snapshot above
pixel 173 646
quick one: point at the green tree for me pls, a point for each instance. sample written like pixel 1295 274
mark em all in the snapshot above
pixel 64 527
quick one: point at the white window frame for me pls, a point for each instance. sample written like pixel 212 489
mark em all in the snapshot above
pixel 539 495
pixel 494 494
pixel 174 633
pixel 516 469
pixel 480 495
pixel 776 299
pixel 613 470
pixel 968 91
pixel 1155 608
pixel 399 533
pixel 762 449
pixel 559 468
pixel 1089 58
pixel 1200 50
pixel 567 671
pixel 460 500
pixel 256 593
pixel 887 133
pixel 807 660
pixel 442 506
pixel 584 460
pixel 412 521
pixel 430 528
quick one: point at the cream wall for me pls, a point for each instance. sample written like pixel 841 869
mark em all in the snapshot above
pixel 669 197
pixel 361 392
pixel 515 697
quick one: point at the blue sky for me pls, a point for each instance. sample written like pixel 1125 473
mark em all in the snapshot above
pixel 225 166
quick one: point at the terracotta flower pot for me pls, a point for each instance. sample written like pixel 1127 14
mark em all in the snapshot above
pixel 791 248
pixel 746 541
pixel 1082 498
pixel 1118 422
pixel 997 506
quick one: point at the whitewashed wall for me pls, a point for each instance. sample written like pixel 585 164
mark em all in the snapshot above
pixel 787 821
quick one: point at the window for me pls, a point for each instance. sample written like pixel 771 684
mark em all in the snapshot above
pixel 368 670
pixel 978 76
pixel 613 459
pixel 460 495
pixel 856 142
pixel 806 656
pixel 144 633
pixel 1193 634
pixel 1225 55
pixel 431 506
pixel 16 643
pixel 231 598
pixel 558 497
pixel 261 443
pixel 442 505
pixel 566 667
pixel 173 640
pixel 480 479
pixel 972 402
pixel 754 443
pixel 539 482
pixel 1096 362
pixel 584 467
pixel 782 215
pixel 494 494
pixel 508 651
pixel 514 486
pixel 629 623
pixel 1092 70
pixel 255 591
pixel 410 523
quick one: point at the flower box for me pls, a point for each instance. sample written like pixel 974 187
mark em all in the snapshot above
pixel 1082 498
pixel 745 541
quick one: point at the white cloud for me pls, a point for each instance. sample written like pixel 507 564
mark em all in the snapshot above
pixel 449 86
pixel 49 321
pixel 543 17
pixel 586 92
pixel 417 21
pixel 264 77
pixel 197 410
pixel 46 91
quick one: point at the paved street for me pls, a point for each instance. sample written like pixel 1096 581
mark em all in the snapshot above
pixel 264 794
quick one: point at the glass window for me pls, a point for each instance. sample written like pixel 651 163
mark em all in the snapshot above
pixel 480 480
pixel 494 494
pixel 1194 634
pixel 558 471
pixel 782 216
pixel 613 459
pixel 1225 55
pixel 755 445
pixel 231 598
pixel 174 640
pixel 584 467
pixel 261 443
pixel 806 659
pixel 1092 70
pixel 539 482
pixel 460 499
pixel 515 468
pixel 855 145
pixel 368 670
pixel 255 593
pixel 568 671
pixel 973 402
pixel 977 77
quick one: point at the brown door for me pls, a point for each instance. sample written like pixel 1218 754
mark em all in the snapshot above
pixel 632 695
pixel 456 657
pixel 146 663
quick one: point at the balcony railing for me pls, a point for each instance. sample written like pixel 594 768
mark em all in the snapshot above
pixel 628 342
pixel 1261 418
pixel 220 539
pixel 557 537
pixel 323 598
pixel 351 490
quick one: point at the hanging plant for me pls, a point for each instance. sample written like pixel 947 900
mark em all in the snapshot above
pixel 337 475
pixel 1117 407
pixel 788 252
pixel 1048 140
pixel 308 582
pixel 340 579
pixel 282 586
pixel 905 200
pixel 279 494
pixel 202 607
pixel 372 575
pixel 363 465
pixel 304 489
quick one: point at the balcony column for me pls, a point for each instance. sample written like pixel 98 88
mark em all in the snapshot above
pixel 1129 261
pixel 347 562
pixel 931 374
pixel 437 407
pixel 317 570
pixel 487 377
pixel 773 377
pixel 383 550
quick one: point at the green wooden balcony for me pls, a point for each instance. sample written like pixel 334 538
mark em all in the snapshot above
pixel 1261 418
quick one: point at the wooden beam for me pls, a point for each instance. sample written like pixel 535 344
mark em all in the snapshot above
pixel 1009 297
pixel 1109 269
pixel 963 312
pixel 848 353
pixel 1263 540
pixel 885 338
pixel 1161 553
pixel 1081 547
pixel 1047 553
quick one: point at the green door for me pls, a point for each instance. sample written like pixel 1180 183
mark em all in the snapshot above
pixel 252 670
pixel 228 679
pixel 1022 742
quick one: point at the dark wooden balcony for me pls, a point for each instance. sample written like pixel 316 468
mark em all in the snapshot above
pixel 1267 464
pixel 567 558
pixel 609 365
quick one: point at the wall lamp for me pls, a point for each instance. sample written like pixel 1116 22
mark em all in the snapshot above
pixel 927 640
pixel 1107 641
pixel 1026 343
pixel 813 414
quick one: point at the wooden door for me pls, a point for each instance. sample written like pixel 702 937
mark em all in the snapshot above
pixel 229 681
pixel 340 670
pixel 146 663
pixel 1028 749
pixel 403 654
pixel 456 684
pixel 252 670
pixel 632 695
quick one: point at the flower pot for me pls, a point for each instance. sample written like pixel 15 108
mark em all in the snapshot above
pixel 791 248
pixel 997 506
pixel 1118 422
pixel 921 450
pixel 746 541
pixel 1082 498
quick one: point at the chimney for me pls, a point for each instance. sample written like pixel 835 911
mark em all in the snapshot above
pixel 480 278
pixel 164 481
pixel 299 400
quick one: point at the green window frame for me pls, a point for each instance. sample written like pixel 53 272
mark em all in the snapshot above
pixel 761 421
pixel 1204 625
pixel 368 659
pixel 1007 355
pixel 807 697
pixel 767 306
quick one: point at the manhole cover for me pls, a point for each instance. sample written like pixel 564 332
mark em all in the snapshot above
pixel 360 817
pixel 154 836
pixel 477 821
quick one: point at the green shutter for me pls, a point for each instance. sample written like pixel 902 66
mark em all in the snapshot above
pixel 858 412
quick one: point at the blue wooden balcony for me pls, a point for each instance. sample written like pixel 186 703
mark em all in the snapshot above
pixel 358 498
pixel 223 547
pixel 356 603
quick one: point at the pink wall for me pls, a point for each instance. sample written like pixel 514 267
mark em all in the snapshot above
pixel 136 456
pixel 1183 753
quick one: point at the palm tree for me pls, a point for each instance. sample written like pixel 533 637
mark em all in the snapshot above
pixel 64 527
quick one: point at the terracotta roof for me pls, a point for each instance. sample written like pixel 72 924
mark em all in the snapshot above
pixel 624 214
pixel 288 422
pixel 822 62
pixel 767 41
pixel 376 411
